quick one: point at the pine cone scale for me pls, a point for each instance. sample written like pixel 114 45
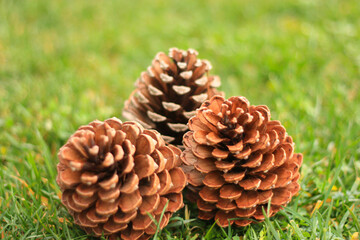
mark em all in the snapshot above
pixel 175 202
pixel 96 218
pixel 85 221
pixel 214 179
pixel 149 204
pixel 113 227
pixel 130 201
pixel 230 192
pixel 245 212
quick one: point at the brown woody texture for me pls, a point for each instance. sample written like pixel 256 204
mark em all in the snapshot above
pixel 113 174
pixel 237 160
pixel 169 92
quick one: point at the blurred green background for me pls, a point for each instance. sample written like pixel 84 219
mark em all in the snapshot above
pixel 66 63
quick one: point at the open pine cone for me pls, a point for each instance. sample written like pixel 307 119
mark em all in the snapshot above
pixel 238 160
pixel 112 174
pixel 170 91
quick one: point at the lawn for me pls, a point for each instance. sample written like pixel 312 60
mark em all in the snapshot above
pixel 66 63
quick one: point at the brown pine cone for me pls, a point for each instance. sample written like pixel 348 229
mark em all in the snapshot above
pixel 112 174
pixel 238 160
pixel 170 91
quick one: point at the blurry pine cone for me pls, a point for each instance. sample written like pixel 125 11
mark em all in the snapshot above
pixel 170 91
pixel 112 174
pixel 238 160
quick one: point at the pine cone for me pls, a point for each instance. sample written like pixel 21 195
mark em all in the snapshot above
pixel 170 91
pixel 238 160
pixel 112 174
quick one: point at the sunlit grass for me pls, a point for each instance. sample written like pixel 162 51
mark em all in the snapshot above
pixel 64 64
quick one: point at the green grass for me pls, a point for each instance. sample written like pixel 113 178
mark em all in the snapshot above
pixel 66 63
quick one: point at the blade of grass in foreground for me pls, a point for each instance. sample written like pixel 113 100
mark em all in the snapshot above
pixel 158 223
pixel 270 226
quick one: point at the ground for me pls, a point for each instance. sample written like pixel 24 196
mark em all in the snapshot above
pixel 66 63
